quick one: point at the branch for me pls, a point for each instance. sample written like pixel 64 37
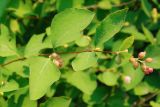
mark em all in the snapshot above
pixel 142 102
pixel 117 5
pixel 125 3
pixel 15 60
pixel 47 55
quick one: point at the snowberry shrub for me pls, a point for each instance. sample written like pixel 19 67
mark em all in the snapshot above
pixel 79 53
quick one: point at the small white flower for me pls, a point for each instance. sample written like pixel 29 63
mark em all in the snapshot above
pixel 127 79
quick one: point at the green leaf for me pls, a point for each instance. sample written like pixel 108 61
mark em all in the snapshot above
pixel 97 97
pixel 83 41
pixel 158 37
pixel 64 4
pixel 127 43
pixel 132 30
pixel 141 89
pixel 9 86
pixel 23 8
pixel 3 102
pixel 28 103
pixel 109 78
pixel 146 6
pixel 153 52
pixel 84 60
pixel 154 104
pixel 36 44
pixel 3 6
pixel 158 98
pixel 4 31
pixel 105 4
pixel 68 25
pixel 111 25
pixel 7 44
pixel 57 102
pixel 16 27
pixel 148 34
pixel 83 81
pixel 18 93
pixel 43 73
pixel 135 75
pixel 17 67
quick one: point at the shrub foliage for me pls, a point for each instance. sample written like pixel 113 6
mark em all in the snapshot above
pixel 79 53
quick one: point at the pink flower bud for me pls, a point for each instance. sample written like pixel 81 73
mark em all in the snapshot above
pixel 136 65
pixel 132 60
pixel 146 72
pixel 149 60
pixel 150 70
pixel 141 55
pixel 144 67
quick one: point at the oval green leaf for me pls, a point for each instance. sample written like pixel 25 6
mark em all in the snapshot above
pixel 83 81
pixel 43 73
pixel 84 60
pixel 68 25
pixel 109 27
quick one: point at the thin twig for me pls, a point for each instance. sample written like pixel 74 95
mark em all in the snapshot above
pixel 142 102
pixel 15 60
pixel 124 3
pixel 151 96
pixel 77 52
pixel 95 6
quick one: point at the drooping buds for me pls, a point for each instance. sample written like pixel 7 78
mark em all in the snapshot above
pixel 135 65
pixel 148 60
pixel 147 70
pixel 57 60
pixel 132 60
pixel 141 55
pixel 142 62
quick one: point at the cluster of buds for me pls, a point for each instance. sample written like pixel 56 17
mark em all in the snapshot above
pixel 141 60
pixel 57 60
